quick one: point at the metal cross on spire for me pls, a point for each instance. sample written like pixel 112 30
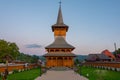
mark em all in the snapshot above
pixel 60 18
pixel 60 3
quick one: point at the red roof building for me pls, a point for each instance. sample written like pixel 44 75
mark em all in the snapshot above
pixel 109 54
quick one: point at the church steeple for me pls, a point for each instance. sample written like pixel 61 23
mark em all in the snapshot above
pixel 60 18
pixel 60 28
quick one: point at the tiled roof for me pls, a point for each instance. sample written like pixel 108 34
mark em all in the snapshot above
pixel 108 53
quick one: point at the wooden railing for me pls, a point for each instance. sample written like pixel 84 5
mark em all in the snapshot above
pixel 104 65
pixel 19 67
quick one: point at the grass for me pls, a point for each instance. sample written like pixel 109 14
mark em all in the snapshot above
pixel 25 75
pixel 99 74
pixel 93 74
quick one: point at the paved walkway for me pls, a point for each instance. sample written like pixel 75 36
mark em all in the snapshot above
pixel 61 75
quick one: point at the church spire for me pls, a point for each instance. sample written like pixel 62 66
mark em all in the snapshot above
pixel 59 24
pixel 60 18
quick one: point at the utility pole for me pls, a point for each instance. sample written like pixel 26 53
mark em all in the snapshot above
pixel 115 47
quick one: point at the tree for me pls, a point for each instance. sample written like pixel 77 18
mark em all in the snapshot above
pixel 8 49
pixel 76 61
pixel 28 58
pixel 35 59
pixel 118 51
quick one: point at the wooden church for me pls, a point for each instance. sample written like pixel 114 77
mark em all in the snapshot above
pixel 59 52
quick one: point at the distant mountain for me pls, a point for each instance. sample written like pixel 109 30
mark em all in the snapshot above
pixel 42 58
pixel 81 57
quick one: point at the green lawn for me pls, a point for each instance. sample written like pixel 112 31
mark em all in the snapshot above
pixel 99 74
pixel 94 74
pixel 25 75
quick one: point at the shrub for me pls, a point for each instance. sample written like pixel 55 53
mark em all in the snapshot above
pixel 15 71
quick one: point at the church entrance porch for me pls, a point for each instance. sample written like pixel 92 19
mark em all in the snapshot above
pixel 59 62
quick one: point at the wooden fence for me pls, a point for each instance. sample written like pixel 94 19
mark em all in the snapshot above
pixel 115 66
pixel 18 67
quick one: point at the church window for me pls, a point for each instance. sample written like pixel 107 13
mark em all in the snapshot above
pixel 57 50
pixel 49 58
pixel 54 58
pixel 63 50
pixel 70 58
pixel 65 58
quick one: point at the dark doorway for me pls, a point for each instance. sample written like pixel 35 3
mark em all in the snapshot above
pixel 60 61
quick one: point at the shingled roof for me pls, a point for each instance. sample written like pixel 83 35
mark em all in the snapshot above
pixel 59 54
pixel 59 43
pixel 102 56
pixel 94 57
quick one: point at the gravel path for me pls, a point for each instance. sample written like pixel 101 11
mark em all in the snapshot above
pixel 61 75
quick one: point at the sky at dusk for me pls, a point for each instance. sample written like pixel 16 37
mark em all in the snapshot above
pixel 94 25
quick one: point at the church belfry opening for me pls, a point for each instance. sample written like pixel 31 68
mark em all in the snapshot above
pixel 59 52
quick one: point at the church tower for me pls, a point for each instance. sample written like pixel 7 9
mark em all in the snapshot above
pixel 59 52
pixel 59 28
